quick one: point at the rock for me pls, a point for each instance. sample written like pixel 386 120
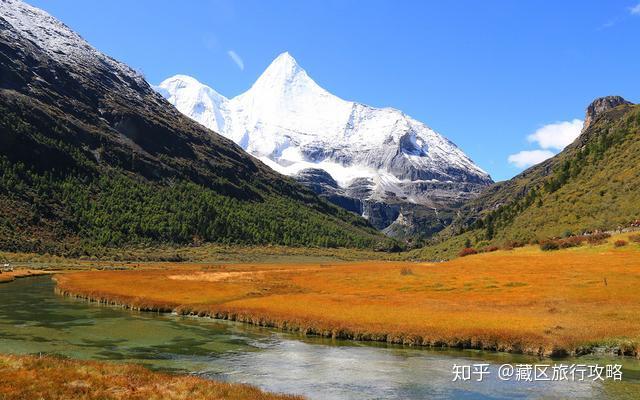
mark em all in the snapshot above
pixel 600 105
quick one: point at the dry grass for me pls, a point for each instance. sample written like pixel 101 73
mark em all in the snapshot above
pixel 522 300
pixel 19 273
pixel 30 377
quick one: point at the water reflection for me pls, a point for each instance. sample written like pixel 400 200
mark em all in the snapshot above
pixel 33 320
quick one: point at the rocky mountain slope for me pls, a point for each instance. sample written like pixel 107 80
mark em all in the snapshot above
pixel 91 155
pixel 593 184
pixel 386 162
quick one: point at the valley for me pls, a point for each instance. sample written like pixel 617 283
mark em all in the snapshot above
pixel 524 300
pixel 132 353
pixel 168 242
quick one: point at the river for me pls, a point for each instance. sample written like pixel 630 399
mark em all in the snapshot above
pixel 35 320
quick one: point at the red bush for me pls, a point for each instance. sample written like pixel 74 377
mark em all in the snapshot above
pixel 620 243
pixel 488 249
pixel 467 252
pixel 635 238
pixel 512 244
pixel 598 238
pixel 572 241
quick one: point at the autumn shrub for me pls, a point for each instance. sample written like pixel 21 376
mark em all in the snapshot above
pixel 635 238
pixel 549 245
pixel 488 249
pixel 573 241
pixel 467 252
pixel 598 238
pixel 620 243
pixel 512 244
pixel 406 271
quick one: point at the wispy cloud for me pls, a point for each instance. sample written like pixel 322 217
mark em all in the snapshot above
pixel 635 10
pixel 236 59
pixel 607 25
pixel 527 158
pixel 557 135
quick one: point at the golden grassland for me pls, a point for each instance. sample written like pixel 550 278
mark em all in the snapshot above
pixel 523 300
pixel 11 276
pixel 32 377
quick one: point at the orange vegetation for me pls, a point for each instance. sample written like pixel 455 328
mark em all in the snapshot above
pixel 10 276
pixel 30 377
pixel 523 300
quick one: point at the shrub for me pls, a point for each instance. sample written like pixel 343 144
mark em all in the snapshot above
pixel 406 271
pixel 467 252
pixel 598 238
pixel 635 238
pixel 567 233
pixel 488 249
pixel 573 241
pixel 549 245
pixel 512 244
pixel 620 243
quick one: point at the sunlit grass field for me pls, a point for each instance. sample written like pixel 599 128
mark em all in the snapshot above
pixel 522 300
pixel 32 377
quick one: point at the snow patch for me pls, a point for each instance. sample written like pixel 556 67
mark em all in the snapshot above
pixel 288 121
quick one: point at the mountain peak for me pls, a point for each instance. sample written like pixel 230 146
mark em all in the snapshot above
pixel 188 84
pixel 282 73
pixel 57 40
pixel 600 105
pixel 284 62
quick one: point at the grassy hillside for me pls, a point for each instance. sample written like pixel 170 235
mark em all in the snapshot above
pixel 594 184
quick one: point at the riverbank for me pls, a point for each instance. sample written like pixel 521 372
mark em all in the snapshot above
pixel 10 276
pixel 33 377
pixel 569 302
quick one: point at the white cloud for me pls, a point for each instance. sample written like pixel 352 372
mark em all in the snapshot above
pixel 635 10
pixel 236 59
pixel 557 135
pixel 607 25
pixel 527 158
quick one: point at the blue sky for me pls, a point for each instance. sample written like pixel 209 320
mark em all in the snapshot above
pixel 489 75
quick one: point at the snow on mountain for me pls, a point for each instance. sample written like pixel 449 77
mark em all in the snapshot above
pixel 292 124
pixel 381 157
pixel 58 40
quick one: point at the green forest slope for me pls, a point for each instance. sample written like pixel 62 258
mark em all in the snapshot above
pixel 92 156
pixel 594 184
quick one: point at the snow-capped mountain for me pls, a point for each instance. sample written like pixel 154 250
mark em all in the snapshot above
pixel 377 155
pixel 61 43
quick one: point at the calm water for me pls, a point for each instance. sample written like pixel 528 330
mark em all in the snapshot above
pixel 33 320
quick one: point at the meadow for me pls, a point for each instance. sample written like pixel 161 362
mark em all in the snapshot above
pixel 10 276
pixel 566 302
pixel 33 377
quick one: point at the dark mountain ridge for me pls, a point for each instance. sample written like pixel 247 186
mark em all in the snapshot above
pixel 90 154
